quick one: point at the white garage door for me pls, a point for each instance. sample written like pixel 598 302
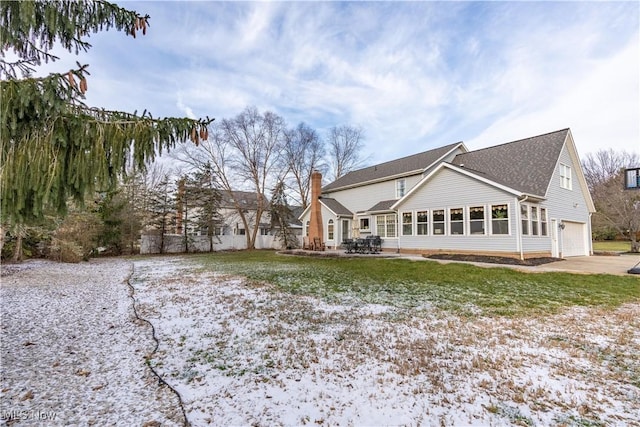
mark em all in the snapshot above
pixel 573 239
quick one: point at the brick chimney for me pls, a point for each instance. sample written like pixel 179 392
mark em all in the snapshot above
pixel 315 222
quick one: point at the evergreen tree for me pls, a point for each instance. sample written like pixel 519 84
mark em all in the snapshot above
pixel 281 217
pixel 53 146
pixel 162 211
pixel 201 204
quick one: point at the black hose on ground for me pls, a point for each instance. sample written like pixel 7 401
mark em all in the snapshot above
pixel 161 381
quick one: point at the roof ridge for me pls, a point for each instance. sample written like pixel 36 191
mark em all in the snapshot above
pixel 406 157
pixel 515 141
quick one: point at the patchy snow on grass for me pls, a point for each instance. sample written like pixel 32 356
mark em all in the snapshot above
pixel 72 352
pixel 242 353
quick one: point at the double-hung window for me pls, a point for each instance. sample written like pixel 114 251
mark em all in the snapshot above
pixel 499 219
pixel 534 220
pixel 407 223
pixel 330 230
pixel 400 187
pixel 565 176
pixel 524 217
pixel 543 222
pixel 438 222
pixel 386 225
pixel 422 223
pixel 456 220
pixel 476 220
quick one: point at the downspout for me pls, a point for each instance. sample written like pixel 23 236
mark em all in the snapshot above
pixel 590 235
pixel 519 225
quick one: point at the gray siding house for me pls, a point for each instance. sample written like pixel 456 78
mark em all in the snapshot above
pixel 523 199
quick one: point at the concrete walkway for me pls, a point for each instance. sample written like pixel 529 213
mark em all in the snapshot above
pixel 596 264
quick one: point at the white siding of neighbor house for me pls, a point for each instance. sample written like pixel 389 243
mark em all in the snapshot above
pixel 362 198
pixel 567 205
pixel 450 189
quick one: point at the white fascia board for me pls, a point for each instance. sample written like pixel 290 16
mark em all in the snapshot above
pixel 573 153
pixel 304 212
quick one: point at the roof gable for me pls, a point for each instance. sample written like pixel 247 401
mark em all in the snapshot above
pixel 526 165
pixel 456 169
pixel 394 168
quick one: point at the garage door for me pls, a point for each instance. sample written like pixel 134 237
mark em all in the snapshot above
pixel 573 241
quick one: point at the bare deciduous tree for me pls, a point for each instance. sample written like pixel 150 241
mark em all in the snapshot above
pixel 303 152
pixel 616 207
pixel 243 153
pixel 345 145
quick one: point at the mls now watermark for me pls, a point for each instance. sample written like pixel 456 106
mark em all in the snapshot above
pixel 33 414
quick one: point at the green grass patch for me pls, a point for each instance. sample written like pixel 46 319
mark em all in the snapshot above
pixel 414 284
pixel 612 246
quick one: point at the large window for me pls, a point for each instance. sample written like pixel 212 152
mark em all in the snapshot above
pixel 330 230
pixel 386 225
pixel 476 220
pixel 499 219
pixel 456 220
pixel 407 223
pixel 422 223
pixel 438 222
pixel 524 216
pixel 400 187
pixel 565 176
pixel 543 222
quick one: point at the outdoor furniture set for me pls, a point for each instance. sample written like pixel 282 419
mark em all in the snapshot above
pixel 368 245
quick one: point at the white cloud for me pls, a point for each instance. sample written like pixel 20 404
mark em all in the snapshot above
pixel 602 109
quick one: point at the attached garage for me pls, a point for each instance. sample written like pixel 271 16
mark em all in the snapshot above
pixel 574 239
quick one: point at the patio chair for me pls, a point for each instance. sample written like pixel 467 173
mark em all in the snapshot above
pixel 318 244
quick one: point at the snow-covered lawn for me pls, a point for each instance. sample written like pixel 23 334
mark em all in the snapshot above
pixel 241 353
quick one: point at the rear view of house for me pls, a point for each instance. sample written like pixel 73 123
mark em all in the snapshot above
pixel 523 199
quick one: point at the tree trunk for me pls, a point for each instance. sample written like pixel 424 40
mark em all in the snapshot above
pixel 18 254
pixel 635 245
pixel 3 235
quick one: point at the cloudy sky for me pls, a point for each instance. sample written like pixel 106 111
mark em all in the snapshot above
pixel 413 75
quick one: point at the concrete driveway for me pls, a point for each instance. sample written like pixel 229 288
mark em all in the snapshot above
pixel 595 264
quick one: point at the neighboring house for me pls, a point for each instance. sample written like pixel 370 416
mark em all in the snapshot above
pixel 230 234
pixel 526 198
pixel 248 201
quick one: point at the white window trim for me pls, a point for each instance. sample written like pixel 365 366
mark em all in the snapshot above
pixel 404 187
pixel 490 219
pixel 360 222
pixel 331 223
pixel 413 223
pixel 385 225
pixel 565 181
pixel 428 211
pixel 432 222
pixel 468 218
pixel 530 221
pixel 448 221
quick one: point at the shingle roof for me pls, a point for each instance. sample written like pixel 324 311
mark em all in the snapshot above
pixel 247 199
pixel 526 165
pixel 336 207
pixel 418 161
pixel 384 205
